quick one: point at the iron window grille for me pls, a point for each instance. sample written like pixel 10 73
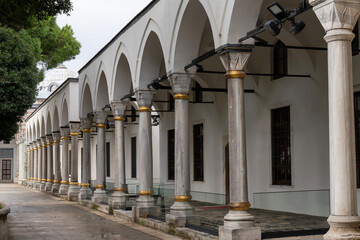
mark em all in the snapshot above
pixel 198 142
pixel 171 154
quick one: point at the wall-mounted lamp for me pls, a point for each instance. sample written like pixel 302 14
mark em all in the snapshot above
pixel 296 26
pixel 273 27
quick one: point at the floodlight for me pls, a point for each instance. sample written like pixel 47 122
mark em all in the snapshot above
pixel 296 26
pixel 273 27
pixel 278 11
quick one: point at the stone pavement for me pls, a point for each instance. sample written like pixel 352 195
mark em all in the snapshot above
pixel 35 215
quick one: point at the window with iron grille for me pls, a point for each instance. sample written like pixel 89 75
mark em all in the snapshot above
pixel 281 147
pixel 357 135
pixel 69 162
pixel 107 155
pixel 198 95
pixel 198 131
pixel 355 41
pixel 171 154
pixel 171 103
pixel 6 169
pixel 280 60
pixel 133 157
pixel 133 114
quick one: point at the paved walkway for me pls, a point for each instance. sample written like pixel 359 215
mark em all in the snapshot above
pixel 35 215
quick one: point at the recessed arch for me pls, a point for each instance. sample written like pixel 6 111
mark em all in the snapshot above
pixel 56 124
pixel 102 93
pixel 86 102
pixel 48 123
pixel 65 114
pixel 42 127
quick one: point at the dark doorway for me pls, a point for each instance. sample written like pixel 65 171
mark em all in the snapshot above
pixel 227 174
pixel 6 169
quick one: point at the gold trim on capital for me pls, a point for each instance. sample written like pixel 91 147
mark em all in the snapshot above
pixel 74 134
pixel 119 189
pixel 99 186
pixel 235 74
pixel 49 180
pixel 57 181
pixel 36 148
pixel 181 96
pixel 86 130
pixel 64 182
pixel 182 198
pixel 119 118
pixel 65 138
pixel 85 185
pixel 50 144
pixel 144 109
pixel 146 193
pixel 43 180
pixel 100 125
pixel 239 206
pixel 74 183
pixel 56 141
pixel 43 146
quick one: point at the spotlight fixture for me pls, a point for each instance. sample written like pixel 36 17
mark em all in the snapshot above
pixel 296 26
pixel 155 121
pixel 273 27
pixel 278 11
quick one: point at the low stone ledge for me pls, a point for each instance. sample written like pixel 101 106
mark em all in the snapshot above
pixel 4 211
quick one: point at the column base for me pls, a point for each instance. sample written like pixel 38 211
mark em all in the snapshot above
pixel 64 188
pixel 343 227
pixel 252 233
pixel 180 214
pixel 73 192
pixel 144 201
pixel 42 186
pixel 143 212
pixel 117 200
pixel 99 196
pixel 48 186
pixel 55 188
pixel 85 193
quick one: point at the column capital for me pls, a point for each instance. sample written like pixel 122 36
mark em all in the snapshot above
pixel 144 98
pixel 49 138
pixel 118 108
pixel 43 139
pixel 74 127
pixel 234 56
pixel 86 123
pixel 336 14
pixel 65 132
pixel 100 117
pixel 56 136
pixel 180 82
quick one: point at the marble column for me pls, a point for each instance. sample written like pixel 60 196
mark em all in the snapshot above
pixel 57 175
pixel 28 146
pixel 74 184
pixel 43 164
pixel 64 187
pixel 181 209
pixel 238 223
pixel 39 164
pixel 117 199
pixel 145 199
pixel 100 192
pixel 338 17
pixel 29 176
pixel 35 168
pixel 50 178
pixel 85 191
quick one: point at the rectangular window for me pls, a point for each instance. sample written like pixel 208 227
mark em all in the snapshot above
pixel 357 135
pixel 69 162
pixel 133 114
pixel 6 170
pixel 280 145
pixel 280 60
pixel 171 154
pixel 355 41
pixel 107 156
pixel 198 95
pixel 171 103
pixel 133 157
pixel 198 131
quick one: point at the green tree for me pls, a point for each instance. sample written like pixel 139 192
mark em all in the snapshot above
pixel 19 76
pixel 29 35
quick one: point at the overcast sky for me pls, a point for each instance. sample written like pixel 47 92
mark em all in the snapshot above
pixel 96 22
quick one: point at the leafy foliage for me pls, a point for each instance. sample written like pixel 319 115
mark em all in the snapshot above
pixel 18 77
pixel 19 14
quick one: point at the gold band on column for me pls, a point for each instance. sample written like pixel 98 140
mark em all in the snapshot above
pixel 119 118
pixel 119 189
pixel 239 206
pixel 65 138
pixel 49 180
pixel 49 144
pixel 64 182
pixel 99 186
pixel 43 146
pixel 146 193
pixel 100 125
pixel 85 185
pixel 182 198
pixel 74 134
pixel 86 130
pixel 181 96
pixel 43 180
pixel 74 183
pixel 56 141
pixel 235 74
pixel 144 109
pixel 57 181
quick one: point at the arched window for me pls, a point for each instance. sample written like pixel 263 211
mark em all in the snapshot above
pixel 280 59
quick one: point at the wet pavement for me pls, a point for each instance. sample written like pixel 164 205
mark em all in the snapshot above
pixel 35 215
